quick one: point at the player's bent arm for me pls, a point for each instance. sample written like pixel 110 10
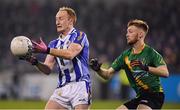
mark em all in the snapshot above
pixel 47 66
pixel 73 50
pixel 160 71
pixel 106 73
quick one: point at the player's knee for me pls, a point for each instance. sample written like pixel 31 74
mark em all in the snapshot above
pixel 122 107
pixel 53 105
pixel 144 107
pixel 82 107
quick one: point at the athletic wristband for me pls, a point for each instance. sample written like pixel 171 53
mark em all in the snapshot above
pixel 48 50
pixel 34 62
pixel 146 68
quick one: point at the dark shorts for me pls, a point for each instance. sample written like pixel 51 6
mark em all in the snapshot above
pixel 153 100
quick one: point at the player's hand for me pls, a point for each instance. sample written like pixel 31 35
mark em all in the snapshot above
pixel 40 46
pixel 31 59
pixel 138 63
pixel 94 64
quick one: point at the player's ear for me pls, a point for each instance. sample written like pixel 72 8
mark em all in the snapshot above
pixel 140 34
pixel 71 20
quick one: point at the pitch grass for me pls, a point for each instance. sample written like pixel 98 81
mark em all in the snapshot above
pixel 97 104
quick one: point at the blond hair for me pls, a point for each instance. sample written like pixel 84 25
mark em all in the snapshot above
pixel 140 24
pixel 70 12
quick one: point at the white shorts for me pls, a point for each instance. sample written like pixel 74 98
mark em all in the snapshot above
pixel 72 94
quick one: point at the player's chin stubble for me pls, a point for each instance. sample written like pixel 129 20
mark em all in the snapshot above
pixel 132 42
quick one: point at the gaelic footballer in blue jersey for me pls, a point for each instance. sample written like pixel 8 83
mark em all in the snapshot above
pixel 70 52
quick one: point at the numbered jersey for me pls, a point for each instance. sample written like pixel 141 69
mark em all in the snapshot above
pixel 74 70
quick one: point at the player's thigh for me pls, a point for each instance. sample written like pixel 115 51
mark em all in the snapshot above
pixel 54 105
pixel 131 104
pixel 81 95
pixel 82 107
pixel 122 107
pixel 143 107
pixel 152 100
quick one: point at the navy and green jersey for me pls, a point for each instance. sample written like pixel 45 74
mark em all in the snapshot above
pixel 142 80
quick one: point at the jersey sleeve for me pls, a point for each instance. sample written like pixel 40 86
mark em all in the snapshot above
pixel 158 59
pixel 52 44
pixel 80 39
pixel 118 63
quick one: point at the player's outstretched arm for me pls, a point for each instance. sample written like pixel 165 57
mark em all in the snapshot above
pixel 104 73
pixel 161 71
pixel 47 66
pixel 43 67
pixel 73 50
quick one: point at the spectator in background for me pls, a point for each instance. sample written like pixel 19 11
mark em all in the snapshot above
pixel 170 58
pixel 15 22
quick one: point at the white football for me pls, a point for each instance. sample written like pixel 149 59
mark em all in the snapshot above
pixel 21 45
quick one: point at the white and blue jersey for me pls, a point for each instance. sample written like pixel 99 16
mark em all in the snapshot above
pixel 74 70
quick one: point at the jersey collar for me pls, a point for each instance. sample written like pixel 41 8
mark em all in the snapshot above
pixel 67 36
pixel 141 49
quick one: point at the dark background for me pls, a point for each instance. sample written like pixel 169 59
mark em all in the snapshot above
pixel 104 22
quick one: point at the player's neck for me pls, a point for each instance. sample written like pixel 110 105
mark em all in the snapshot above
pixel 66 32
pixel 138 47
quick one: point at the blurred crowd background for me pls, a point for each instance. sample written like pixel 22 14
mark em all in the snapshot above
pixel 104 22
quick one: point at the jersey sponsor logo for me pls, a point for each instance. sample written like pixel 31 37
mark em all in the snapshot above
pixel 140 73
pixel 82 100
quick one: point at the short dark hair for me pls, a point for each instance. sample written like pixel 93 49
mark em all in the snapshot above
pixel 70 12
pixel 140 24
